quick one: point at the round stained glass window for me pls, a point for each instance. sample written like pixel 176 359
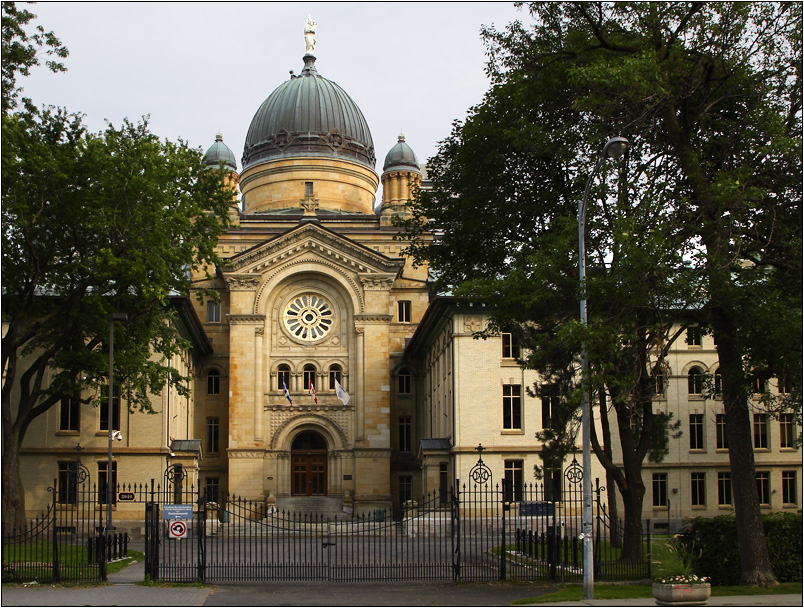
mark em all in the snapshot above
pixel 308 317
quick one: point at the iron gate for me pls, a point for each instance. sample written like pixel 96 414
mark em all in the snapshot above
pixel 482 531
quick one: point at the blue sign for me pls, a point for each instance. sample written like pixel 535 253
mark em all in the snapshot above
pixel 177 512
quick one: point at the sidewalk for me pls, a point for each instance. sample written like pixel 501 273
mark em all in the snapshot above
pixel 123 591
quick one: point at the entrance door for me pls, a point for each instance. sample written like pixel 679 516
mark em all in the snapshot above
pixel 309 461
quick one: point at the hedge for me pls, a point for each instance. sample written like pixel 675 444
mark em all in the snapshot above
pixel 713 543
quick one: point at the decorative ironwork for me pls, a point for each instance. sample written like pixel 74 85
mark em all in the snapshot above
pixel 78 472
pixel 480 473
pixel 574 472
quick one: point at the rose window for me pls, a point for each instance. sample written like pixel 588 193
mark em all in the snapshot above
pixel 308 317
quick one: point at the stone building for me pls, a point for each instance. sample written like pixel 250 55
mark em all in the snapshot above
pixel 328 378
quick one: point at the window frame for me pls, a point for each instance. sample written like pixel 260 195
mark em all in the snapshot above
pixel 404 311
pixel 335 373
pixel 102 480
pixel 787 431
pixel 404 382
pixel 405 427
pixel 213 382
pixel 698 489
pixel 789 487
pixel 695 381
pixel 512 407
pixel 213 428
pixel 70 414
pixel 696 432
pixel 213 311
pixel 724 493
pixel 763 487
pixel 721 435
pixel 282 377
pixel 308 375
pixel 514 475
pixel 760 432
pixel 103 410
pixel 659 490
pixel 510 346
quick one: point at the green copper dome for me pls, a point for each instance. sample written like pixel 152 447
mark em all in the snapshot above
pixel 401 157
pixel 308 116
pixel 219 153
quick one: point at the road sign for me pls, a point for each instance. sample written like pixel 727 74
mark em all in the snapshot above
pixel 177 512
pixel 178 529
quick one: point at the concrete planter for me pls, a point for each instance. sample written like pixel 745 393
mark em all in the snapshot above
pixel 681 594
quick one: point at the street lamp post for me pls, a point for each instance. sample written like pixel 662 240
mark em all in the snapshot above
pixel 613 149
pixel 110 417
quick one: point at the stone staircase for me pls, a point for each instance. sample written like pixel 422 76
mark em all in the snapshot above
pixel 323 506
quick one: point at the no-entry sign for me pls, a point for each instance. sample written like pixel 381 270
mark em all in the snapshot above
pixel 178 529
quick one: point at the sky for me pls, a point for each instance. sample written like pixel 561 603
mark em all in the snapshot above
pixel 199 68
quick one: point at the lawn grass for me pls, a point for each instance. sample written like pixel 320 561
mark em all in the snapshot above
pixel 618 592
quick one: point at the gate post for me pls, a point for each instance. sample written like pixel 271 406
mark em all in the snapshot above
pixel 202 538
pixel 506 505
pixel 152 537
pixel 56 571
pixel 456 532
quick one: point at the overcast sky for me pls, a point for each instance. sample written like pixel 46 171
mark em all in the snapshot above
pixel 200 68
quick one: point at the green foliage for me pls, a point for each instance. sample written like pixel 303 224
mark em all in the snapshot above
pixel 716 551
pixel 21 51
pixel 674 563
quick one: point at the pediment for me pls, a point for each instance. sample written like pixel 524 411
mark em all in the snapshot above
pixel 312 240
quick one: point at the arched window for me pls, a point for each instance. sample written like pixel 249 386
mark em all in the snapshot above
pixel 695 381
pixel 282 377
pixel 309 376
pixel 213 382
pixel 334 375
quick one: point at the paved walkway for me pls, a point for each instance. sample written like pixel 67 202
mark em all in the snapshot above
pixel 123 591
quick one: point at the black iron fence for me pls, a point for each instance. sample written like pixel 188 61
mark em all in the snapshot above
pixel 477 531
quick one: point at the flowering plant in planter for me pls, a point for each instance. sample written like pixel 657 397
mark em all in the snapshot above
pixel 675 583
pixel 673 565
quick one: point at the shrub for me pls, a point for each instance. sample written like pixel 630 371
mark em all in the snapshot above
pixel 713 542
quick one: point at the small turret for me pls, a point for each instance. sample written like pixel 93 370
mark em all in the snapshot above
pixel 401 177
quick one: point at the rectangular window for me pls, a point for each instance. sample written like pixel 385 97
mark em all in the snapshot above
pixel 69 414
pixel 696 431
pixel 789 494
pixel 403 311
pixel 308 188
pixel 212 489
pixel 510 346
pixel 720 428
pixel 68 484
pixel 512 407
pixel 104 409
pixel 102 478
pixel 213 434
pixel 404 383
pixel 787 431
pixel 213 382
pixel 550 405
pixel 405 434
pixel 763 487
pixel 658 387
pixel 660 489
pixel 698 489
pixel 694 336
pixel 213 312
pixel 760 431
pixel 514 477
pixel 724 488
pixel 405 489
pixel 443 482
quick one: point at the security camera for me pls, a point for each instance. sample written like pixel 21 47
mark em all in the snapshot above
pixel 117 435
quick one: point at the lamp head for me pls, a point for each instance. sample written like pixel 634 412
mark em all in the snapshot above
pixel 615 147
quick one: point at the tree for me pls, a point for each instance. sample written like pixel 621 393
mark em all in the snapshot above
pixel 94 224
pixel 708 207
pixel 22 51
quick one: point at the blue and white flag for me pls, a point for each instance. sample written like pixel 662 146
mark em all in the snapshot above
pixel 287 392
pixel 341 393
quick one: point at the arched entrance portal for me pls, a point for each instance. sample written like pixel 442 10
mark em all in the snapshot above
pixel 309 457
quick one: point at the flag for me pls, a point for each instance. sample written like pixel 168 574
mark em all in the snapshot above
pixel 312 391
pixel 287 392
pixel 342 394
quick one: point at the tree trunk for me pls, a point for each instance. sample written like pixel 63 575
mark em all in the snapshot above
pixel 611 486
pixel 755 564
pixel 632 528
pixel 13 492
